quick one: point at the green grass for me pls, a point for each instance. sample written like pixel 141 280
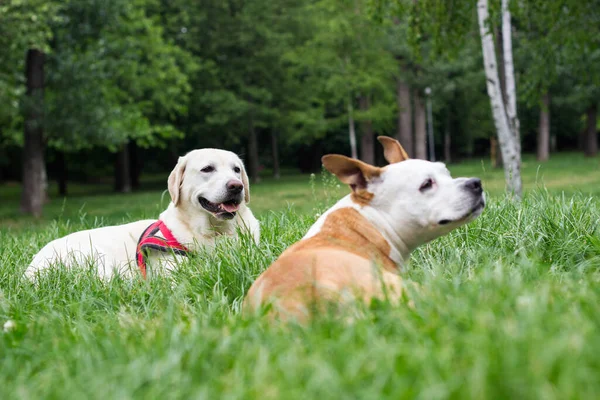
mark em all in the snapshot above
pixel 569 173
pixel 509 307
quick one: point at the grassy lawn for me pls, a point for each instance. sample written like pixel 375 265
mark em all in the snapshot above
pixel 509 306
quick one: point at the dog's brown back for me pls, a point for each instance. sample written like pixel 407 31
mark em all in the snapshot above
pixel 344 258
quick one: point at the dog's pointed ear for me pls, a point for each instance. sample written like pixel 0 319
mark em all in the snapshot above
pixel 175 180
pixel 351 171
pixel 246 185
pixel 393 151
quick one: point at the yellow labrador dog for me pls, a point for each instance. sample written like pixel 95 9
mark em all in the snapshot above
pixel 357 248
pixel 209 195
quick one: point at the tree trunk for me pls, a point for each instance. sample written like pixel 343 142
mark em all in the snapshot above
pixel 509 74
pixel 253 152
pixel 61 173
pixel 499 51
pixel 351 129
pixel 367 139
pixel 508 138
pixel 420 127
pixel 430 137
pixel 135 165
pixel 122 175
pixel 34 167
pixel 275 151
pixel 367 145
pixel 405 134
pixel 498 163
pixel 590 148
pixel 543 139
pixel 500 57
pixel 447 141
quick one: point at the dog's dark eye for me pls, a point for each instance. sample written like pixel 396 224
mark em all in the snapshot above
pixel 428 184
pixel 236 170
pixel 208 168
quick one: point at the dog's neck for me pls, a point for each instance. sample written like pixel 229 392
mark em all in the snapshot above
pixel 193 228
pixel 399 250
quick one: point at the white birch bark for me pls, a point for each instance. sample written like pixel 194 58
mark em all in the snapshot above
pixel 352 130
pixel 509 142
pixel 509 71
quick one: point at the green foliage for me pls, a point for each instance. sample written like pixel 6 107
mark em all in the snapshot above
pixel 554 41
pixel 559 41
pixel 345 58
pixel 114 77
pixel 111 73
pixel 23 25
pixel 192 74
pixel 443 25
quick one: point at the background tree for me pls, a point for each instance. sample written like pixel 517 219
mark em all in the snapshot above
pixel 25 31
pixel 282 83
pixel 347 62
pixel 503 109
pixel 109 91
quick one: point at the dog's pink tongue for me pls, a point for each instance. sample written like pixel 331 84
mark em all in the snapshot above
pixel 230 207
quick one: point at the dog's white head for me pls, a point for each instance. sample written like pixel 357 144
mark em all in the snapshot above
pixel 211 180
pixel 418 198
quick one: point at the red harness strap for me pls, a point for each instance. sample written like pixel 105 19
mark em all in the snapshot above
pixel 149 240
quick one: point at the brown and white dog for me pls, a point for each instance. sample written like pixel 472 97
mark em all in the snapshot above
pixel 357 248
pixel 209 194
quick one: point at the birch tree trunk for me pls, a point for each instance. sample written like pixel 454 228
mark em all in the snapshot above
pixel 35 180
pixel 495 153
pixel 507 136
pixel 351 129
pixel 543 138
pixel 404 136
pixel 420 127
pixel 498 162
pixel 509 73
pixel 499 47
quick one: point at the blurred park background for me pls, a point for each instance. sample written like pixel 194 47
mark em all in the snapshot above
pixel 102 96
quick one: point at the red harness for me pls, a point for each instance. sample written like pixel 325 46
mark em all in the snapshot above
pixel 149 240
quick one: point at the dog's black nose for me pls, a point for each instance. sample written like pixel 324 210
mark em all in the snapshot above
pixel 234 186
pixel 474 185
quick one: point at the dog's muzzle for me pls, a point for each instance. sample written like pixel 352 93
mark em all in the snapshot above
pixel 474 187
pixel 471 214
pixel 224 210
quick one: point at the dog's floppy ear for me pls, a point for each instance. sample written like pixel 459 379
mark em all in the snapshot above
pixel 392 150
pixel 350 171
pixel 246 185
pixel 175 180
